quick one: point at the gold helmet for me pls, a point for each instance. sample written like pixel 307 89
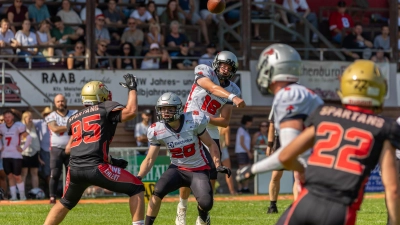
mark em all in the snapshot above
pixel 362 84
pixel 95 92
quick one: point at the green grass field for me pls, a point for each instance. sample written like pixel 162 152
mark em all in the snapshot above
pixel 373 211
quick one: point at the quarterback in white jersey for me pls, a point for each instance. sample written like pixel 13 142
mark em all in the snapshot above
pixel 279 69
pixel 12 132
pixel 182 133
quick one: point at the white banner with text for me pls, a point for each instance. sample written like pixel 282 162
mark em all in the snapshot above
pixel 151 84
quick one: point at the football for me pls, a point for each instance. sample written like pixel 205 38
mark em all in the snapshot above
pixel 216 6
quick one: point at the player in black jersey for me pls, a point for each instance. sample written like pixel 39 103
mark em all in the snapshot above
pixel 92 130
pixel 347 144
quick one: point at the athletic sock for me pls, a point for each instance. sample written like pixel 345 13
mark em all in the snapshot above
pixel 13 192
pixel 149 220
pixel 21 189
pixel 273 203
pixel 140 222
pixel 203 214
pixel 183 203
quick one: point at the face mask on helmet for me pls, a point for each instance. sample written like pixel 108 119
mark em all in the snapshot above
pixel 278 62
pixel 228 58
pixel 174 111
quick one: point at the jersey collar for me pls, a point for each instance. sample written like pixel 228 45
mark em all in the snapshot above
pixel 181 120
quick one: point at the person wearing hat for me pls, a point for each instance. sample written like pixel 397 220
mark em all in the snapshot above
pixel 101 33
pixel 43 132
pixel 152 58
pixel 141 130
pixel 338 21
pixel 209 56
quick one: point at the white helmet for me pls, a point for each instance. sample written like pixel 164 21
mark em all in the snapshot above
pixel 169 99
pixel 228 58
pixel 278 62
pixel 36 193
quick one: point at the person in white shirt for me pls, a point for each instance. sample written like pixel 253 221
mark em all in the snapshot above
pixel 209 56
pixel 25 37
pixel 243 149
pixel 141 15
pixel 68 15
pixel 301 8
pixel 141 130
pixel 6 39
pixel 97 12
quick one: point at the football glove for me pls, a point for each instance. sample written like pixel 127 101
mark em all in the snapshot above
pixel 121 163
pixel 130 82
pixel 244 174
pixel 224 169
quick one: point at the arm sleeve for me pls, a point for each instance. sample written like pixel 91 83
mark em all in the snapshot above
pixel 202 71
pixel 50 118
pixel 202 124
pixel 21 128
pixel 151 135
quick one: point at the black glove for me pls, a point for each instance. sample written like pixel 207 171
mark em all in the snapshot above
pixel 121 163
pixel 244 174
pixel 130 82
pixel 224 169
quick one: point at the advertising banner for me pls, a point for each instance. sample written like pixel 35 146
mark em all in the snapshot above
pixel 151 84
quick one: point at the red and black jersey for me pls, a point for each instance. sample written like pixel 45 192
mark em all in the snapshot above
pixel 348 145
pixel 92 130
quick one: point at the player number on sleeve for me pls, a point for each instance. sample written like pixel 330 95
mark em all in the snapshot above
pixel 186 151
pixel 347 157
pixel 210 105
pixel 89 126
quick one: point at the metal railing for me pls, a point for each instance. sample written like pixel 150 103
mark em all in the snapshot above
pixel 4 85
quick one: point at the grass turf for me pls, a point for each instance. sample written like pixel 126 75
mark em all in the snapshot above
pixel 373 211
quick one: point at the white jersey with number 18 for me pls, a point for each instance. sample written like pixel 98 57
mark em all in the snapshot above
pixel 202 100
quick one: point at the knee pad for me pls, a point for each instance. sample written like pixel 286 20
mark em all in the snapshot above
pixel 159 193
pixel 206 202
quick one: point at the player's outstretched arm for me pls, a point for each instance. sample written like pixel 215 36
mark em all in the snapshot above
pixel 390 181
pixel 214 151
pixel 219 91
pixel 148 162
pixel 130 110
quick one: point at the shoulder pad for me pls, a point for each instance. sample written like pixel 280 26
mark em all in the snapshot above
pixel 111 105
pixel 204 70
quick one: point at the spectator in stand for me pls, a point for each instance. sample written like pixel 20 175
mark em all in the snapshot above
pixel 188 9
pixel 152 9
pixel 97 12
pixel 357 41
pixel 44 136
pixel 113 18
pixel 38 11
pixel 171 14
pixel 17 13
pixel 260 138
pixel 3 176
pixel 141 15
pixel 77 63
pixel 206 15
pixel 126 50
pixel 209 56
pixel 233 14
pixel 243 149
pixel 102 57
pixel 44 38
pixel 141 131
pixel 155 58
pixel 182 62
pixel 380 57
pixel 64 34
pixel 68 15
pixel 154 35
pixel 175 38
pixel 133 35
pixel 6 40
pixel 301 8
pixel 30 156
pixel 338 21
pixel 100 31
pixel 25 37
pixel 383 40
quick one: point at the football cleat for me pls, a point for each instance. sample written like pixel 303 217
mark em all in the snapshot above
pixel 180 216
pixel 272 209
pixel 199 221
pixel 244 174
